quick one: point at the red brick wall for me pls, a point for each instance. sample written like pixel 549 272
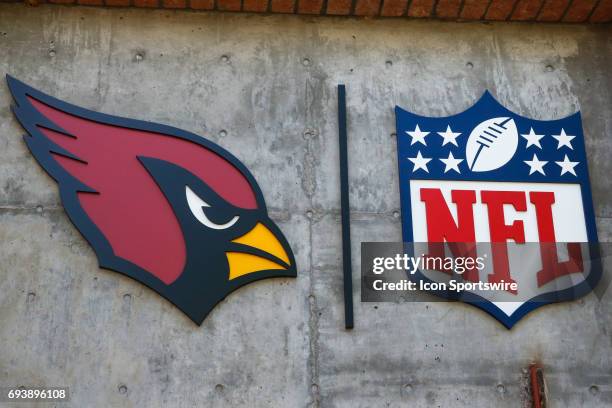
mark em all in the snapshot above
pixel 568 11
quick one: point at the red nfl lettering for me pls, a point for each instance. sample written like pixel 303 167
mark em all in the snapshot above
pixel 460 235
pixel 441 227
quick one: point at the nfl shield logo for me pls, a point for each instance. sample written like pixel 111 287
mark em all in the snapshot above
pixel 512 190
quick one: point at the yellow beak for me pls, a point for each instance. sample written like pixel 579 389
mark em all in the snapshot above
pixel 262 239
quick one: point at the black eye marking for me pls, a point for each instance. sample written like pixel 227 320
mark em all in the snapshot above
pixel 217 215
pixel 201 210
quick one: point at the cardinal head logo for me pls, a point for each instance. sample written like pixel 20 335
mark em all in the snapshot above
pixel 163 206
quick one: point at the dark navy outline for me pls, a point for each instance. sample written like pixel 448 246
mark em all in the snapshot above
pixel 40 146
pixel 568 294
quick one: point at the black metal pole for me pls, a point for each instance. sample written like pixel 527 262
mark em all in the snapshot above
pixel 345 211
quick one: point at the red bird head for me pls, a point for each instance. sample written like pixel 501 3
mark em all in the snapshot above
pixel 163 206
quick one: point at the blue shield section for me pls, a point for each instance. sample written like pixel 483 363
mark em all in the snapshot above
pixel 489 143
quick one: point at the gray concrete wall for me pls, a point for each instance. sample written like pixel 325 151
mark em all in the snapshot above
pixel 281 343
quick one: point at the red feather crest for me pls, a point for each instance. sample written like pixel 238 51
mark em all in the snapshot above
pixel 117 193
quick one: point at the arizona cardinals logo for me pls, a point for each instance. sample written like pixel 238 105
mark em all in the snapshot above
pixel 161 205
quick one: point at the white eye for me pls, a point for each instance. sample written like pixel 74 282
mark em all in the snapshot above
pixel 196 205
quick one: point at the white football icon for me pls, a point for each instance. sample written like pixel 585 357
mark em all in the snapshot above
pixel 491 144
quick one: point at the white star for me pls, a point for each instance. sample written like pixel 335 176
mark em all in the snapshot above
pixel 449 136
pixel 418 136
pixel 533 139
pixel 420 162
pixel 536 165
pixel 564 140
pixel 567 166
pixel 451 163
